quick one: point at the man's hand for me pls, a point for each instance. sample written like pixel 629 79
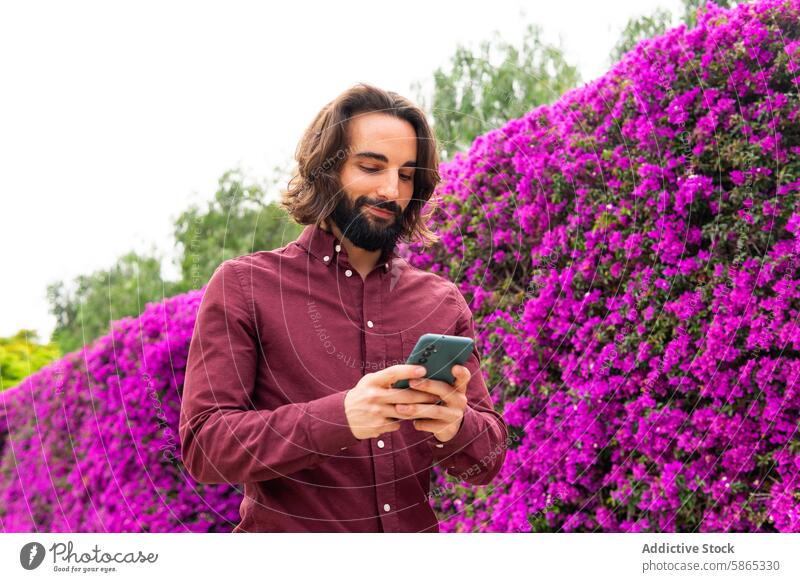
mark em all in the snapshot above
pixel 370 405
pixel 443 420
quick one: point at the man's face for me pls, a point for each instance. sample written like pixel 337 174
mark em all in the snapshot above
pixel 377 179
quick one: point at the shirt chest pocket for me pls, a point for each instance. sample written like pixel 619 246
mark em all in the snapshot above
pixel 400 344
pixel 409 336
pixel 409 339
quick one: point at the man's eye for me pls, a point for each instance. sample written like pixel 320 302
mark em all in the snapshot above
pixel 403 177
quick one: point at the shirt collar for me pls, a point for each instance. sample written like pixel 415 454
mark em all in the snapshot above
pixel 325 247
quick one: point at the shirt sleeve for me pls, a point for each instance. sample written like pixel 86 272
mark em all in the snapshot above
pixel 477 451
pixel 223 438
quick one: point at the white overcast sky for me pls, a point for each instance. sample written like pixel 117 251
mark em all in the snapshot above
pixel 114 117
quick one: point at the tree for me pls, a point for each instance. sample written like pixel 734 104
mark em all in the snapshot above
pixel 84 310
pixel 482 90
pixel 641 27
pixel 691 7
pixel 21 355
pixel 236 222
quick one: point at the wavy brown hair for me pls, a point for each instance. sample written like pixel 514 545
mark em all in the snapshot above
pixel 315 189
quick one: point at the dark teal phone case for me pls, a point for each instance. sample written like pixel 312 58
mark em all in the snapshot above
pixel 438 353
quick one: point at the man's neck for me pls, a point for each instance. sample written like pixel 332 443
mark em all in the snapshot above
pixel 362 260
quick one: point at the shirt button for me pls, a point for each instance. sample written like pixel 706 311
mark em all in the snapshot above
pixel 440 446
pixel 370 324
pixel 338 248
pixel 326 258
pixel 381 444
pixel 386 507
pixel 348 273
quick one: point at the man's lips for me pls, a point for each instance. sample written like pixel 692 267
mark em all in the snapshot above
pixel 381 212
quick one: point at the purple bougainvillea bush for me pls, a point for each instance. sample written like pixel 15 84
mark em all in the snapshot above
pixel 90 443
pixel 631 255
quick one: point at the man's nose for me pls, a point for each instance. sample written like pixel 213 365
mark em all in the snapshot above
pixel 389 189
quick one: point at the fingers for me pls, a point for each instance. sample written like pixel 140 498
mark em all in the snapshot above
pixel 442 389
pixel 392 424
pixel 391 418
pixel 392 374
pixel 408 396
pixel 428 411
pixel 462 376
pixel 437 388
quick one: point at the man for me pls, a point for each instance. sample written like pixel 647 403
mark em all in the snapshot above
pixel 288 385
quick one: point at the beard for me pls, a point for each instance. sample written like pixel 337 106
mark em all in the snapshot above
pixel 371 233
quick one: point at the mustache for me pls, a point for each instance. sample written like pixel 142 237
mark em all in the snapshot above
pixel 388 206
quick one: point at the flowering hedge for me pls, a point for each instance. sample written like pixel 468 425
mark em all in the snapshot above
pixel 91 442
pixel 631 253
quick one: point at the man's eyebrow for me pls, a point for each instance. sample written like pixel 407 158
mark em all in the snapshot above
pixel 384 159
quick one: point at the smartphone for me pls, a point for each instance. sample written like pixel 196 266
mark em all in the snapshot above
pixel 438 353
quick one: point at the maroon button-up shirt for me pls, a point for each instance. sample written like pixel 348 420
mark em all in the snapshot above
pixel 280 337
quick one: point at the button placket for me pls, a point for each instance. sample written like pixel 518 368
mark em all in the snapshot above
pixel 375 355
pixel 386 475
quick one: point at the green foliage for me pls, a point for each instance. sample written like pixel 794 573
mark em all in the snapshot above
pixel 85 309
pixel 21 355
pixel 483 89
pixel 641 27
pixel 238 221
pixel 690 8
